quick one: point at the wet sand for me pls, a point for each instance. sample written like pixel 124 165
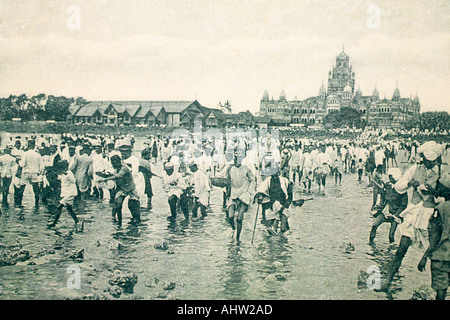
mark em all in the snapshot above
pixel 201 260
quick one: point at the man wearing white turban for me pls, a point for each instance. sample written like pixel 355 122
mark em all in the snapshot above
pixel 418 182
pixel 431 150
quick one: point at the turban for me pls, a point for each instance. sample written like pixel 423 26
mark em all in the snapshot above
pixel 431 150
pixel 124 148
pixel 396 173
pixel 168 165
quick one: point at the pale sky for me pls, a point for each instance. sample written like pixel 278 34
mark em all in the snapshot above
pixel 223 50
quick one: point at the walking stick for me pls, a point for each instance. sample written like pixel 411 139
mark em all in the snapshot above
pixel 256 219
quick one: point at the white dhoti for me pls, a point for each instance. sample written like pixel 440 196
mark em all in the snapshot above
pixel 140 188
pixel 415 224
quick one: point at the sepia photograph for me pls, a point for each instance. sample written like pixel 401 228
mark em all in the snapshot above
pixel 224 155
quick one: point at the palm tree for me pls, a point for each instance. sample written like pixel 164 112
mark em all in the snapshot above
pixel 226 107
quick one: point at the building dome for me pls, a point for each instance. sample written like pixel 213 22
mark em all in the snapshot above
pixel 265 95
pixel 375 93
pixel 342 56
pixel 282 95
pixel 322 90
pixel 396 93
pixel 348 88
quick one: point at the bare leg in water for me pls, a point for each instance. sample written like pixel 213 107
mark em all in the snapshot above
pixel 241 209
pixel 405 243
pixel 239 219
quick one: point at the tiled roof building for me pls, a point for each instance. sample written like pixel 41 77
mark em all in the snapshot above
pixel 167 113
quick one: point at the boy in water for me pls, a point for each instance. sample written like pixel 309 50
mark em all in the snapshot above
pixel 68 191
pixel 360 167
pixel 175 187
pixel 337 168
pixel 395 203
pixel 378 186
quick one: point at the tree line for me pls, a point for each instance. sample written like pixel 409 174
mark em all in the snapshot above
pixel 40 107
pixel 433 121
pixel 44 107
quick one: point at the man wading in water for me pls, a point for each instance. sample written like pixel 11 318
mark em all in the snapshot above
pixel 393 204
pixel 242 184
pixel 175 187
pixel 125 188
pixel 439 238
pixel 419 181
pixel 68 192
pixel 275 196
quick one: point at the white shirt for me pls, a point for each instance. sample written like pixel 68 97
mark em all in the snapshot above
pixel 68 184
pixel 31 162
pixel 308 160
pixel 173 184
pixel 379 157
pixel 7 165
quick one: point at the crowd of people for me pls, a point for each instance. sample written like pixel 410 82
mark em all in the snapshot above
pixel 274 173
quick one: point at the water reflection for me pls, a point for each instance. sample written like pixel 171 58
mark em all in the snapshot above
pixel 234 279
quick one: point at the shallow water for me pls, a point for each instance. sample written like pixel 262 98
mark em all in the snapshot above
pixel 310 262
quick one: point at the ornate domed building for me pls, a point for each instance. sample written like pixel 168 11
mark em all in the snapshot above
pixel 376 112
